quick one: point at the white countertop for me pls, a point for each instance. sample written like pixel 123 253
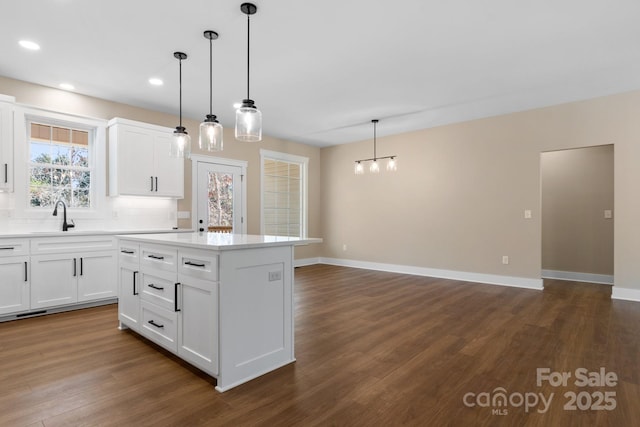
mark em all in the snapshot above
pixel 71 233
pixel 219 241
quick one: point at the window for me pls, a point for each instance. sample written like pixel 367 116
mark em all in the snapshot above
pixel 60 165
pixel 284 194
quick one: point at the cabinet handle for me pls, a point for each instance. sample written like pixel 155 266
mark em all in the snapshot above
pixel 151 182
pixel 135 273
pixel 194 264
pixel 124 251
pixel 26 278
pixel 74 268
pixel 175 298
pixel 151 285
pixel 156 184
pixel 6 173
pixel 151 322
pixel 81 266
pixel 7 248
pixel 156 257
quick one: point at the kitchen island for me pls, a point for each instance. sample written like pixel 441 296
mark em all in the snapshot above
pixel 222 302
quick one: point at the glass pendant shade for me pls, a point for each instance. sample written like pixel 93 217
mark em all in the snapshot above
pixel 248 122
pixel 359 169
pixel 211 134
pixel 374 168
pixel 392 164
pixel 181 143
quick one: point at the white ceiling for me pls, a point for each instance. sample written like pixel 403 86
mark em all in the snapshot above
pixel 320 71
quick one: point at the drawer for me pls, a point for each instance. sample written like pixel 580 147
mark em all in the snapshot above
pixel 198 264
pixel 159 325
pixel 129 253
pixel 54 245
pixel 159 291
pixel 14 247
pixel 155 259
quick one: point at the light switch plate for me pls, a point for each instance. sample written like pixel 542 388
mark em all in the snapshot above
pixel 275 275
pixel 608 214
pixel 527 214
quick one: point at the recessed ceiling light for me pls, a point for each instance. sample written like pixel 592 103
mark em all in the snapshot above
pixel 156 81
pixel 66 86
pixel 29 45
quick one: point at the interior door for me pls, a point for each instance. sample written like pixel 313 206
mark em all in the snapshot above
pixel 220 198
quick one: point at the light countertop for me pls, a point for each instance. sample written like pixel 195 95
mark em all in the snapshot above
pixel 219 241
pixel 71 233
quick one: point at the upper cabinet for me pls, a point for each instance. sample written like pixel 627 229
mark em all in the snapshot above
pixel 6 142
pixel 139 161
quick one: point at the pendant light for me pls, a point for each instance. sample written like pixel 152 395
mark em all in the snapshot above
pixel 210 128
pixel 181 142
pixel 248 117
pixel 374 167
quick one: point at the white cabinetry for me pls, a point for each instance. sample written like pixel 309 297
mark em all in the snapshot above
pixel 128 279
pixel 14 276
pixel 68 270
pixel 198 315
pixel 139 161
pixel 172 301
pixel 6 143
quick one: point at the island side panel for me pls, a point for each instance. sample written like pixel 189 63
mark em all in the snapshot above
pixel 256 313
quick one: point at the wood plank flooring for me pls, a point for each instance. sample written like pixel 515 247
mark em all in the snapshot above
pixel 372 348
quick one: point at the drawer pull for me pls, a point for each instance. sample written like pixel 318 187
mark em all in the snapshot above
pixel 156 257
pixel 124 251
pixel 151 322
pixel 151 285
pixel 194 264
pixel 7 248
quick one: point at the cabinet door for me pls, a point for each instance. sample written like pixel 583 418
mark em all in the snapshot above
pixel 53 280
pixel 128 296
pixel 6 147
pixel 96 276
pixel 169 171
pixel 14 286
pixel 135 168
pixel 198 323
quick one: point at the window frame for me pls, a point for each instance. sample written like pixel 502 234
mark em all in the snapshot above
pixel 303 163
pixel 23 118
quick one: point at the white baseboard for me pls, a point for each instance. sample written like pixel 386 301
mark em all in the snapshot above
pixel 603 279
pixel 625 294
pixel 491 279
pixel 306 261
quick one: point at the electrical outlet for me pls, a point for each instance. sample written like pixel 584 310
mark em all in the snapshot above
pixel 608 214
pixel 275 275
pixel 527 214
pixel 114 214
pixel 344 246
pixel 505 259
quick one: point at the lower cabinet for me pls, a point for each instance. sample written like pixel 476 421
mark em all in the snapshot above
pixel 14 284
pixel 60 279
pixel 198 323
pixel 175 306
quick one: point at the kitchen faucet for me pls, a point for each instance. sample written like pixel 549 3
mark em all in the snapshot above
pixel 65 226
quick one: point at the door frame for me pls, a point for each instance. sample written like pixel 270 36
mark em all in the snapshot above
pixel 195 161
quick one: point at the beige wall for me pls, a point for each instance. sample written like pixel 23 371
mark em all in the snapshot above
pixel 577 187
pixel 457 201
pixel 69 102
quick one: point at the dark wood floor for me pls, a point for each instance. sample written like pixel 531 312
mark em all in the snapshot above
pixel 372 348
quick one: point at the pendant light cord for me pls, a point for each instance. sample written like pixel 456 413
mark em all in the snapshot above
pixel 248 47
pixel 180 92
pixel 374 140
pixel 211 76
